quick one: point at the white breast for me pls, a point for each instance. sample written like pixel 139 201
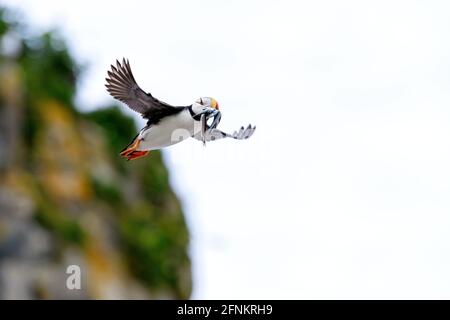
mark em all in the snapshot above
pixel 170 130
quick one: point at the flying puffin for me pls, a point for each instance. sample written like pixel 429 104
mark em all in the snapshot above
pixel 166 124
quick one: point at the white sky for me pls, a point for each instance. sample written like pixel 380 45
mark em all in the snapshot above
pixel 344 190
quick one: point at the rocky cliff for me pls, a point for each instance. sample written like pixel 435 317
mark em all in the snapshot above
pixel 65 195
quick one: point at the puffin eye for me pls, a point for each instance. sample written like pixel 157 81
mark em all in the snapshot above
pixel 201 101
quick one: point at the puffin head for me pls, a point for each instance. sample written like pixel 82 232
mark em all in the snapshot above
pixel 208 102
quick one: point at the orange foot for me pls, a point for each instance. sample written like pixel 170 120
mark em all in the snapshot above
pixel 136 154
pixel 131 151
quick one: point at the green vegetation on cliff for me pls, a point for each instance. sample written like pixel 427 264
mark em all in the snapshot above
pixel 119 220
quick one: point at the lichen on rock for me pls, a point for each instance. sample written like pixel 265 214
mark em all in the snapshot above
pixel 66 197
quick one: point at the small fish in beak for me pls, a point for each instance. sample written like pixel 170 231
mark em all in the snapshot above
pixel 203 130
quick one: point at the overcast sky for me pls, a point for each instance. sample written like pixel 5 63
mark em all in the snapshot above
pixel 344 189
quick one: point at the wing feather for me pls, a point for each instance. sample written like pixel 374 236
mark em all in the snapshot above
pixel 122 86
pixel 216 134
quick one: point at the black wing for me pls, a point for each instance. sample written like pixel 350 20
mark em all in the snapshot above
pixel 122 86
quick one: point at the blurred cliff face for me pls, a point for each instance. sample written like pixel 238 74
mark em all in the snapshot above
pixel 65 195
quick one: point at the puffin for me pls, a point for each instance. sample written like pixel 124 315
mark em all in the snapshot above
pixel 166 124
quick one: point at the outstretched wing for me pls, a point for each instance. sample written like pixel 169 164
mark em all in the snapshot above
pixel 216 134
pixel 122 86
